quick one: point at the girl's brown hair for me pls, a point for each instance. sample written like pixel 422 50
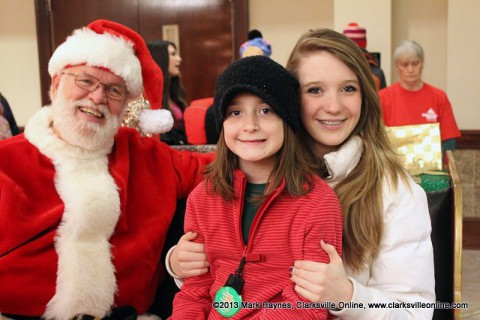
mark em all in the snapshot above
pixel 360 193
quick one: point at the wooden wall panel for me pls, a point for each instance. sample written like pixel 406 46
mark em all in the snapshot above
pixel 470 139
pixel 471 236
pixel 205 34
pixel 45 50
pixel 72 14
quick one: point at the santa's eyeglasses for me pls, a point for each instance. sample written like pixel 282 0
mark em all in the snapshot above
pixel 90 83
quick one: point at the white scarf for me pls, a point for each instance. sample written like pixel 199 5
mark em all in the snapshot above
pixel 341 162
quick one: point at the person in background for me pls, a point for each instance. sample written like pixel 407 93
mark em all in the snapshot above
pixel 359 36
pixel 85 204
pixel 166 56
pixel 8 114
pixel 384 258
pixel 256 45
pixel 412 101
pixel 5 131
pixel 261 205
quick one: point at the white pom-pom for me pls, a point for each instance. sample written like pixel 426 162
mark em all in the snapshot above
pixel 155 121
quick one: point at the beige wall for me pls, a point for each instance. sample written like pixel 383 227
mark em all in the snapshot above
pixel 20 75
pixel 283 21
pixel 445 28
pixel 463 61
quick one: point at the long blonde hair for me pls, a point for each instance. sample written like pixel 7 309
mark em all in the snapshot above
pixel 360 193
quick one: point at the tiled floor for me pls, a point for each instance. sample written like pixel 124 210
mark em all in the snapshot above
pixel 471 284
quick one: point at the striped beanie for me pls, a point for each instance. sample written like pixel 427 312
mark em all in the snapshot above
pixel 357 34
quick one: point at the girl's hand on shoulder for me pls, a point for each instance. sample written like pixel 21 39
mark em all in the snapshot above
pixel 189 259
pixel 323 282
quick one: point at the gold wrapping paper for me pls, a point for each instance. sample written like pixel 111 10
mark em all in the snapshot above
pixel 419 147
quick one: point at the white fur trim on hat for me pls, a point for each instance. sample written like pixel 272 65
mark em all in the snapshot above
pixel 115 53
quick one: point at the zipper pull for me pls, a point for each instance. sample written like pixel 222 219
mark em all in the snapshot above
pixel 254 257
pixel 239 271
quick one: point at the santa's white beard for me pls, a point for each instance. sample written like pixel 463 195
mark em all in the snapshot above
pixel 85 134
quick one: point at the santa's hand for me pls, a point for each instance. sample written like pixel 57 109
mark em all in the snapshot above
pixel 189 259
pixel 322 282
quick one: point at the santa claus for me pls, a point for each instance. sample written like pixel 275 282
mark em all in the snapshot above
pixel 85 204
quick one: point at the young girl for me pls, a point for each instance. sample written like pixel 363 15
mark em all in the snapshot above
pixel 261 207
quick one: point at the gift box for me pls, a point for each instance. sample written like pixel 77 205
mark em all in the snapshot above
pixel 418 146
pixel 435 182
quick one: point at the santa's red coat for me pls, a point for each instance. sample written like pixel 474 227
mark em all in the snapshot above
pixel 150 177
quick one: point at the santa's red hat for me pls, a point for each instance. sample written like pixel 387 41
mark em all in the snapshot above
pixel 117 48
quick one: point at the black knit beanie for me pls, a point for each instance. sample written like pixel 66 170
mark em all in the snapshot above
pixel 264 78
